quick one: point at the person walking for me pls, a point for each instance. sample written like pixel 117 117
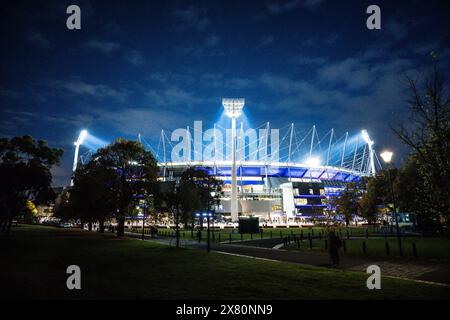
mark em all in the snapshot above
pixel 333 248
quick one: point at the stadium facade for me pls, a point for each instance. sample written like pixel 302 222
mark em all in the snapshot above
pixel 281 175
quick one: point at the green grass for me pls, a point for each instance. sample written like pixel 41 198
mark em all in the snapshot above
pixel 228 234
pixel 430 249
pixel 35 258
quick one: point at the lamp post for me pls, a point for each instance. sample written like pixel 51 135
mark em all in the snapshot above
pixel 233 109
pixel 77 144
pixel 144 207
pixel 208 242
pixel 387 157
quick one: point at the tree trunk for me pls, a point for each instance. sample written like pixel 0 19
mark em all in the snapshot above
pixel 2 224
pixel 101 226
pixel 8 227
pixel 121 226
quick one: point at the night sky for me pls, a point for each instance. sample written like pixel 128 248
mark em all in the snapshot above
pixel 142 66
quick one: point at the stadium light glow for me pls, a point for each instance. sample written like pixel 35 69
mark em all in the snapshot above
pixel 233 109
pixel 387 156
pixel 366 137
pixel 370 143
pixel 77 144
pixel 313 162
pixel 81 137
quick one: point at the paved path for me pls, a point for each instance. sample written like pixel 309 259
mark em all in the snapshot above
pixel 262 249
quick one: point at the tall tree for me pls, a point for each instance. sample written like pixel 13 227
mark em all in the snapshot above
pixel 347 203
pixel 135 173
pixel 93 194
pixel 25 166
pixel 428 136
pixel 370 200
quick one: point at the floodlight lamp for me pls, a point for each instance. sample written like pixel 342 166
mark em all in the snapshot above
pixel 81 137
pixel 387 156
pixel 313 162
pixel 233 107
pixel 366 137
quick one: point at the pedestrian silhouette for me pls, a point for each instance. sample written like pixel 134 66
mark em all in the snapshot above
pixel 334 245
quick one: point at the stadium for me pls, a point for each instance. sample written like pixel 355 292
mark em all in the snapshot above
pixel 281 176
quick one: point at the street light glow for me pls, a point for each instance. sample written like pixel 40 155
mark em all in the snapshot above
pixel 387 156
pixel 233 107
pixel 313 162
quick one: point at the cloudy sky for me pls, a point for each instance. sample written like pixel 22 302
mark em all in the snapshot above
pixel 138 67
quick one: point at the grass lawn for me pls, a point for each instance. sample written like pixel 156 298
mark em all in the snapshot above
pixel 34 261
pixel 233 235
pixel 429 249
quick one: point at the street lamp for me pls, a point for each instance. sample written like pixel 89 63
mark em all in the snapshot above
pixel 387 158
pixel 77 144
pixel 233 109
pixel 208 242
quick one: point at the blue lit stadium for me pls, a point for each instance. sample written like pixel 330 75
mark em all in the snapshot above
pixel 282 175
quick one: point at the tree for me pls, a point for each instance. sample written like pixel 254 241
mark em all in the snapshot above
pixel 199 191
pixel 25 166
pixel 92 195
pixel 428 136
pixel 135 173
pixel 347 203
pixel 370 200
pixel 408 188
pixel 194 191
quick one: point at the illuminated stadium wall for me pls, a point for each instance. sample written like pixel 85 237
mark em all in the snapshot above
pixel 279 176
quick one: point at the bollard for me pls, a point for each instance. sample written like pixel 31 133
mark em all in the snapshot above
pixel 386 245
pixel 367 233
pixel 261 233
pixel 251 236
pixel 310 243
pixel 344 245
pixel 364 247
pixel 270 234
pixel 298 243
pixel 230 237
pixel 414 248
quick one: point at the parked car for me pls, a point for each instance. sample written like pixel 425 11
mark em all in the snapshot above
pixel 66 225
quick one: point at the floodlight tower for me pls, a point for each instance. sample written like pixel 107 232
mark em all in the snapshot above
pixel 77 143
pixel 233 109
pixel 370 143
